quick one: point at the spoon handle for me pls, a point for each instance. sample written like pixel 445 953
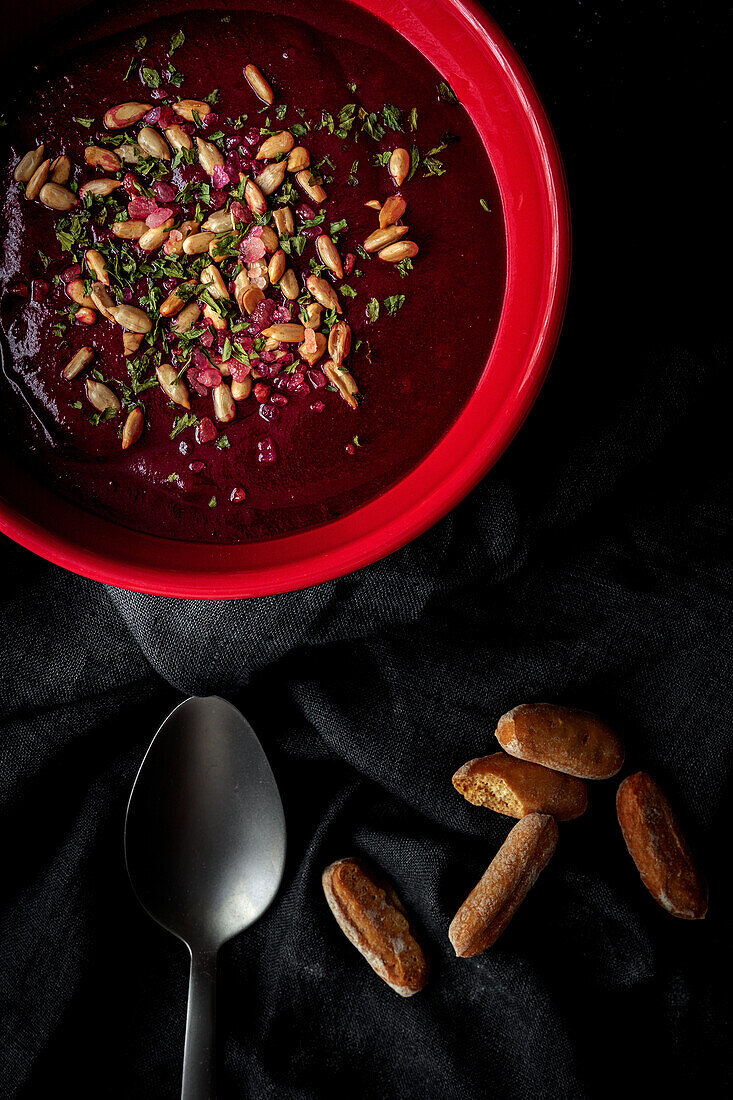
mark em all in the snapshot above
pixel 198 1054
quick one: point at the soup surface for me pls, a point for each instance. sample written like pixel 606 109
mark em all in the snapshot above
pixel 262 430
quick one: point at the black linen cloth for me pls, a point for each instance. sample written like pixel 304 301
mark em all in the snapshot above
pixel 591 567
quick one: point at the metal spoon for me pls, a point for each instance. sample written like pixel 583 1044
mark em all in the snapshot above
pixel 205 850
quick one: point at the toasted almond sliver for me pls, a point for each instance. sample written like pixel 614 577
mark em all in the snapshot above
pixel 128 154
pixel 130 230
pixel 241 390
pixel 131 318
pixel 75 290
pixel 174 247
pixel 187 318
pixel 77 363
pixel 210 277
pixel 310 185
pixel 399 166
pixel 101 396
pixel 27 165
pixel 258 84
pixel 97 265
pixel 269 238
pixel 218 222
pixel 186 107
pixel 37 180
pixel 125 114
pixel 131 342
pixel 315 352
pixel 276 267
pixel 102 299
pixel 251 298
pixel 153 144
pixel 60 170
pixel 283 219
pixel 56 197
pixel 172 305
pixel 402 250
pixel 224 408
pixel 374 204
pixel 133 427
pixel 343 381
pixel 275 145
pixel 178 138
pixel 101 187
pixel 312 315
pixel 197 243
pixel 172 385
pixel 214 318
pixel 323 292
pixel 287 333
pixel 289 284
pixel 329 255
pixel 339 342
pixel 86 316
pixel 209 156
pixel 103 159
pixel 298 159
pixel 153 239
pixel 393 209
pixel 242 283
pixel 254 198
pixel 380 238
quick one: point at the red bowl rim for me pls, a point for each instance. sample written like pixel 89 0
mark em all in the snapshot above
pixel 538 246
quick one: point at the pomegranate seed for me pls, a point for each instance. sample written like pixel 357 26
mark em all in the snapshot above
pixel 267 412
pixel 73 272
pixel 20 290
pixel 349 263
pixel 130 184
pixel 184 447
pixel 267 454
pixel 350 449
pixel 317 379
pixel 318 406
pixel 279 399
pixel 40 290
pixel 238 495
pixel 261 391
pixel 206 430
pixel 164 191
pixel 196 467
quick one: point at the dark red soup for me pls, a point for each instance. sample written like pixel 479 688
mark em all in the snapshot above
pixel 316 343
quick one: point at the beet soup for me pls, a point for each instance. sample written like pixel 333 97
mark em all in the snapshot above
pixel 252 267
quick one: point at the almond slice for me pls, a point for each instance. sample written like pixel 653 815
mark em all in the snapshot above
pixel 77 363
pixel 275 145
pixel 125 114
pixel 28 164
pixel 101 396
pixel 344 382
pixel 133 427
pixel 258 84
pixel 172 385
pixel 185 109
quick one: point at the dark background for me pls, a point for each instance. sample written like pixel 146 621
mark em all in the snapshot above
pixel 591 567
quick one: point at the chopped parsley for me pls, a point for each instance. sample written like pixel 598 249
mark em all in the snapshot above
pixel 394 303
pixel 446 93
pixel 186 420
pixel 176 42
pixel 372 310
pixel 151 77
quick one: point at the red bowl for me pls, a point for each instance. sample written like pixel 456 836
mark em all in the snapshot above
pixel 469 50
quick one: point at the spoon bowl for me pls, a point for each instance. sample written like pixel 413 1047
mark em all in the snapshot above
pixel 205 849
